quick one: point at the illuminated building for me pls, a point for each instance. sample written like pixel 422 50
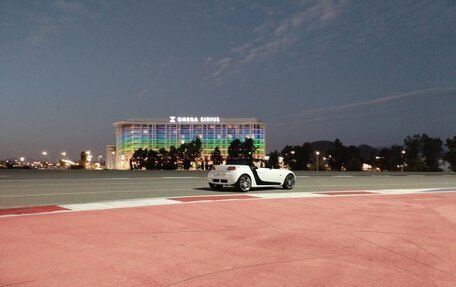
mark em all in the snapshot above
pixel 111 157
pixel 174 131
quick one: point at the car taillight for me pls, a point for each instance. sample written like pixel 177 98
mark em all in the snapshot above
pixel 231 168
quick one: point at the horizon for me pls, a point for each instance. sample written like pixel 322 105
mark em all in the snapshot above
pixel 56 158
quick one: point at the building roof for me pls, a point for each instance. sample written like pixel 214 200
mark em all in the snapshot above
pixel 223 120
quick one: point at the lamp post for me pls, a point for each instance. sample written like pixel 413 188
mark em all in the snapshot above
pixel 402 164
pixel 317 153
pixel 44 153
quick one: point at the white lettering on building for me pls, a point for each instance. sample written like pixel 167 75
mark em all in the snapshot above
pixel 174 119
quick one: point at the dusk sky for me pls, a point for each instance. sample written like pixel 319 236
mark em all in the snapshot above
pixel 366 72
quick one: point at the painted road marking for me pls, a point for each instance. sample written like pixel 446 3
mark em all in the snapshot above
pixel 143 202
pixel 211 198
pixel 347 192
pixel 30 210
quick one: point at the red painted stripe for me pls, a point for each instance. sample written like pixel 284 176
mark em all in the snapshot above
pixel 346 192
pixel 30 210
pixel 205 198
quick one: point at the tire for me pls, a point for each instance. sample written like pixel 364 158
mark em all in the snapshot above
pixel 215 186
pixel 244 183
pixel 289 182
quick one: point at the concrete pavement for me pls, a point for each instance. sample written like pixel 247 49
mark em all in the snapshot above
pixel 358 240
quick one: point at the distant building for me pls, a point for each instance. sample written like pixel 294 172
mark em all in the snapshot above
pixel 111 157
pixel 174 131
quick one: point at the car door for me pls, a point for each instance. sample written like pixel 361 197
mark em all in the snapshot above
pixel 269 176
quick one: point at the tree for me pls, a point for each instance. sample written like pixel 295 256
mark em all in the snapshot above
pixel 273 159
pixel 84 159
pixel 337 156
pixel 450 155
pixel 423 153
pixel 432 152
pixel 412 153
pixel 189 152
pixel 162 158
pixel 152 157
pixel 235 149
pixel 216 156
pixel 248 149
pixel 352 158
pixel 173 155
pixel 297 157
pixel 391 159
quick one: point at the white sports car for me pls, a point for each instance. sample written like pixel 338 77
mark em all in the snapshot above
pixel 243 175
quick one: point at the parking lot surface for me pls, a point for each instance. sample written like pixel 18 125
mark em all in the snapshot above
pixel 347 236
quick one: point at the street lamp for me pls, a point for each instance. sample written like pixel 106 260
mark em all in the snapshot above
pixel 317 153
pixel 44 153
pixel 402 156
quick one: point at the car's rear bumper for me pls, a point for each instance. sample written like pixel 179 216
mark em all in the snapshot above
pixel 222 177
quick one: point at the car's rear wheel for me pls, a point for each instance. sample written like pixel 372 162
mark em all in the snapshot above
pixel 244 183
pixel 289 182
pixel 215 186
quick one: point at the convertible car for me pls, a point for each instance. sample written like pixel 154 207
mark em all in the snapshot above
pixel 244 175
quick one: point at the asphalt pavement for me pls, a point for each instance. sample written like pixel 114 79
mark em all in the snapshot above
pixel 19 188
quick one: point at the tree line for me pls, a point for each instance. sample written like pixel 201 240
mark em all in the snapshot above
pixel 418 153
pixel 188 154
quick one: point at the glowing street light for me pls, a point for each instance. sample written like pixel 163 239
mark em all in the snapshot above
pixel 317 153
pixel 402 156
pixel 44 153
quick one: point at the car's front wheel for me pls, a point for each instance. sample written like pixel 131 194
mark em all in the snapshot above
pixel 289 182
pixel 244 183
pixel 215 186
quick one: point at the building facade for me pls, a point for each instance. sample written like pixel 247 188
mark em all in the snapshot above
pixel 174 131
pixel 111 157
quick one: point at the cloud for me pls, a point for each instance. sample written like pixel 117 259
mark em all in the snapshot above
pixel 74 8
pixel 272 37
pixel 287 32
pixel 221 66
pixel 208 60
pixel 143 92
pixel 70 7
pixel 45 26
pixel 349 110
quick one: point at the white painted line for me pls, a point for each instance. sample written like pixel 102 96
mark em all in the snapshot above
pixel 119 204
pixel 288 195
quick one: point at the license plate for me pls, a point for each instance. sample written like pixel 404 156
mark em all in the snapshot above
pixel 219 174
